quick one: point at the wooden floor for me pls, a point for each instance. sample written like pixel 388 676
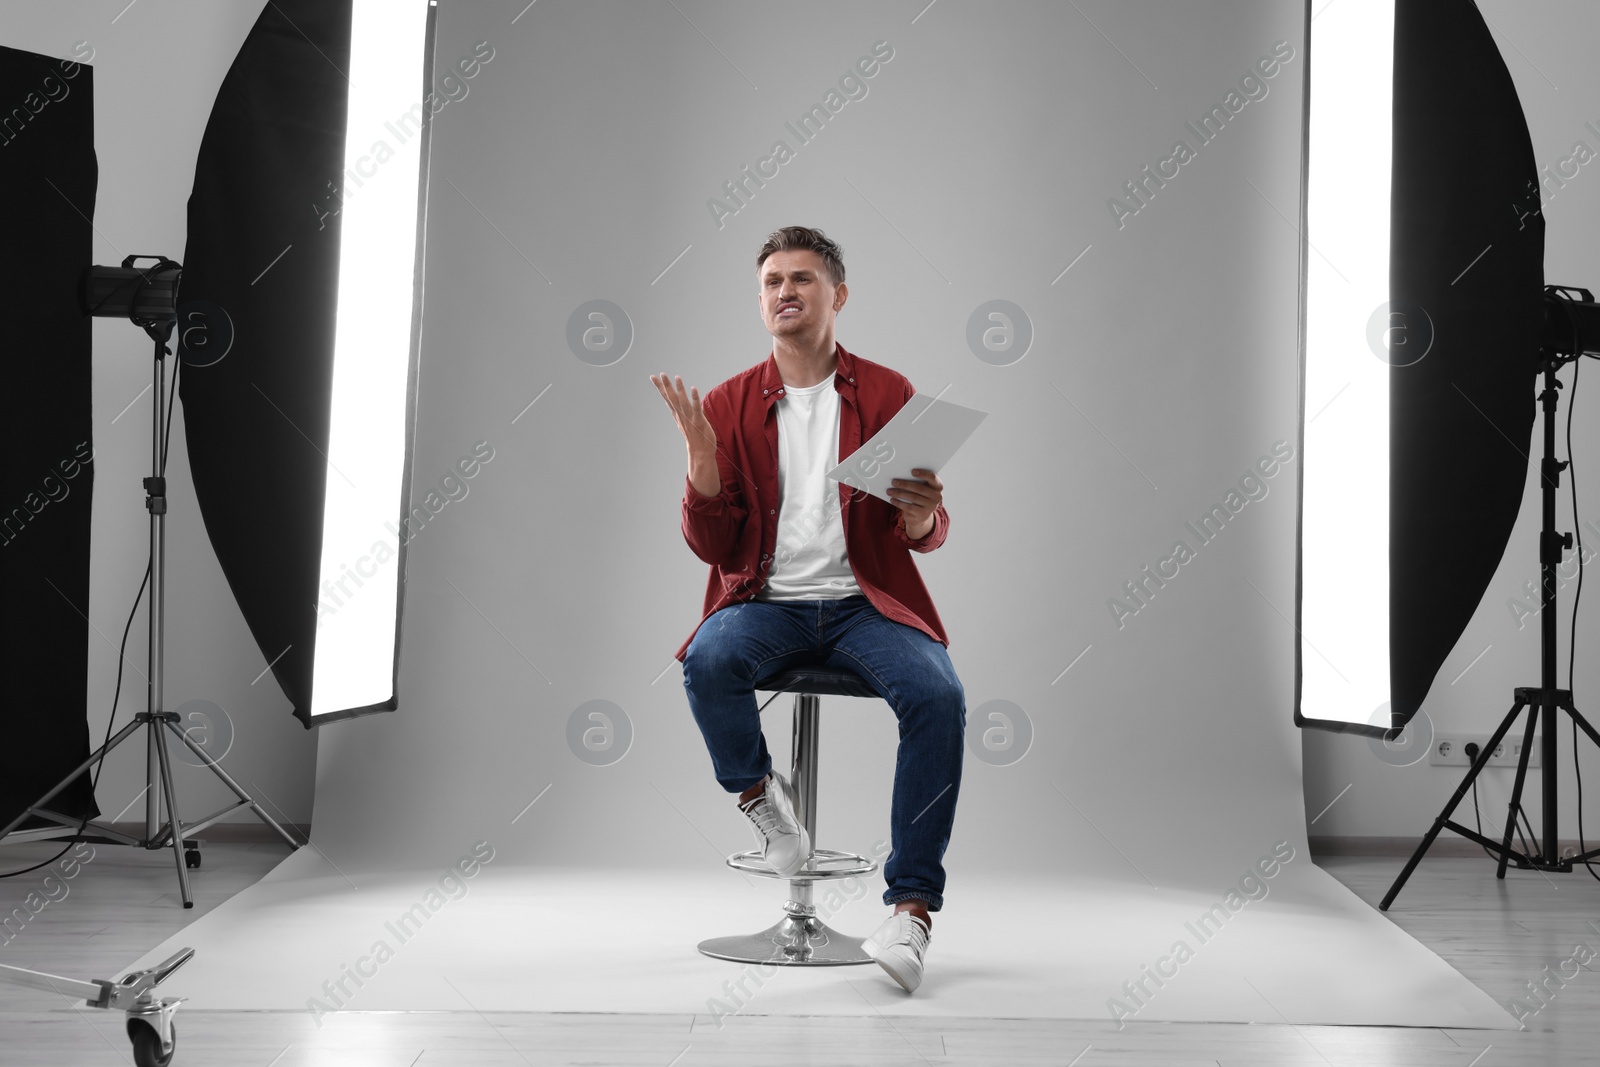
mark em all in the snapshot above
pixel 123 901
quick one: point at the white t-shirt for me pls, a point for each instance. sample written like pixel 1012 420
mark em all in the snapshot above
pixel 809 562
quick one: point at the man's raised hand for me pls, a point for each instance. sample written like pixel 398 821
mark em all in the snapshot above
pixel 690 414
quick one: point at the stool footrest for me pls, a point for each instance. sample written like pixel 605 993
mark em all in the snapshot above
pixel 824 863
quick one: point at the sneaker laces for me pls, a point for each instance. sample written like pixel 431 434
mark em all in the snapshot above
pixel 762 814
pixel 912 933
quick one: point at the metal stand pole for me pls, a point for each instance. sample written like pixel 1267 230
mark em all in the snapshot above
pixel 158 773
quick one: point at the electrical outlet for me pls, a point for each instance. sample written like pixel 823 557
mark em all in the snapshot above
pixel 1451 750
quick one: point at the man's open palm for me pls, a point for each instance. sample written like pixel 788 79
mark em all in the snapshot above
pixel 688 411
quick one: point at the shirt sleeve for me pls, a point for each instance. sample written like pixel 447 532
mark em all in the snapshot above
pixel 941 518
pixel 935 537
pixel 712 524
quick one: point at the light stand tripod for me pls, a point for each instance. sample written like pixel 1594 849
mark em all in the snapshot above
pixel 1541 702
pixel 160 787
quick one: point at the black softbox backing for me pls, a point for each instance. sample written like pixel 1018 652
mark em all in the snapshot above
pixel 1461 420
pixel 47 184
pixel 264 249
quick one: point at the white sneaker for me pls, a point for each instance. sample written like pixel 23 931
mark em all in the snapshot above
pixel 899 945
pixel 785 845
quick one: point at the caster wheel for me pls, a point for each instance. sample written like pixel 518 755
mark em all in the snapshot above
pixel 191 858
pixel 147 1045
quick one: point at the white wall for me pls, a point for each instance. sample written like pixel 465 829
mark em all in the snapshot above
pixel 157 67
pixel 1546 49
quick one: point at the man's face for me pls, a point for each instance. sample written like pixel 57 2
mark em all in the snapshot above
pixel 796 298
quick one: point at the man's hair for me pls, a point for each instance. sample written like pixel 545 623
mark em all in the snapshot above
pixel 794 238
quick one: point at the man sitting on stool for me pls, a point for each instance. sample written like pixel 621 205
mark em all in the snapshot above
pixel 805 570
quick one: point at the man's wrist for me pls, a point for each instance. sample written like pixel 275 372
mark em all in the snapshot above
pixel 912 533
pixel 703 474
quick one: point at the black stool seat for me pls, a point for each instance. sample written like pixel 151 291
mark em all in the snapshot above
pixel 820 680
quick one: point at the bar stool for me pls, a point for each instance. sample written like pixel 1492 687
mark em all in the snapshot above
pixel 800 938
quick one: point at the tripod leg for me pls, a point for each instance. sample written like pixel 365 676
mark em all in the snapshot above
pixel 1583 724
pixel 1444 816
pixel 1516 790
pixel 172 813
pixel 71 775
pixel 216 768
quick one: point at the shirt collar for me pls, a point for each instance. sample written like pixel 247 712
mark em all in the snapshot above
pixel 844 373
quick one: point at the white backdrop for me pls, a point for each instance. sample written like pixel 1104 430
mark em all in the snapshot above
pixel 1154 762
pixel 979 165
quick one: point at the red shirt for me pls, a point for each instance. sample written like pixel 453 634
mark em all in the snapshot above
pixel 719 528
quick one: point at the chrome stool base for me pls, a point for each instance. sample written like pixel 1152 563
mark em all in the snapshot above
pixel 799 938
pixel 792 941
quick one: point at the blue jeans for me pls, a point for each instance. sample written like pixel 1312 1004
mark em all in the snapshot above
pixel 743 645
